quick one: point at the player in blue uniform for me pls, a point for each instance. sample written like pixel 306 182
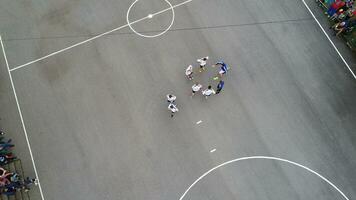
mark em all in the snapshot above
pixel 223 68
pixel 220 86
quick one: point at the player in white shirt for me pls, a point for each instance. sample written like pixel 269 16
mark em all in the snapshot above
pixel 202 62
pixel 173 108
pixel 189 72
pixel 196 88
pixel 171 98
pixel 208 92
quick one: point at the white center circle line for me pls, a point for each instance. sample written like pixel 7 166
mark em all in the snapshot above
pixel 265 158
pixel 150 16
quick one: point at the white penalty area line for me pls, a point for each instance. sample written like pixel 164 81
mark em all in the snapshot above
pixel 332 43
pixel 100 35
pixel 21 117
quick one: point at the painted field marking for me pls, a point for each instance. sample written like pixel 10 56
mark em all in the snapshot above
pixel 98 36
pixel 150 16
pixel 265 158
pixel 327 36
pixel 53 54
pixel 21 117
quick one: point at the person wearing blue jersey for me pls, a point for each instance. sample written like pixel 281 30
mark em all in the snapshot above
pixel 220 86
pixel 223 68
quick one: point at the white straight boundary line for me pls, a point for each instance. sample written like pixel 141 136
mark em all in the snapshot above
pixel 97 36
pixel 21 117
pixel 332 43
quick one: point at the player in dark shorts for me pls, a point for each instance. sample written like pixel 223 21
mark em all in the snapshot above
pixel 220 86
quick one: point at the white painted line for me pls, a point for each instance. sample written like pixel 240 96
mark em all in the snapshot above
pixel 177 5
pixel 96 37
pixel 150 16
pixel 212 151
pixel 21 117
pixel 199 122
pixel 332 43
pixel 265 158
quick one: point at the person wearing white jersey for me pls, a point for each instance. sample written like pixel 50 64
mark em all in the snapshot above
pixel 196 88
pixel 173 108
pixel 208 92
pixel 171 98
pixel 189 72
pixel 202 62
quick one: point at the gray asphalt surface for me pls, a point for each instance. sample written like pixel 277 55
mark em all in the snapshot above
pixel 98 122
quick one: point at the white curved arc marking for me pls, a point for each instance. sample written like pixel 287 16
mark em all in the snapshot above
pixel 171 7
pixel 266 158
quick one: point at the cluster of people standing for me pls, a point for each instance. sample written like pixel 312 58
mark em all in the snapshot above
pixel 10 182
pixel 197 87
pixel 342 15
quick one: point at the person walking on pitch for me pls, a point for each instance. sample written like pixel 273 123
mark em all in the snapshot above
pixel 223 69
pixel 173 108
pixel 208 92
pixel 196 88
pixel 171 98
pixel 220 86
pixel 189 72
pixel 202 62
